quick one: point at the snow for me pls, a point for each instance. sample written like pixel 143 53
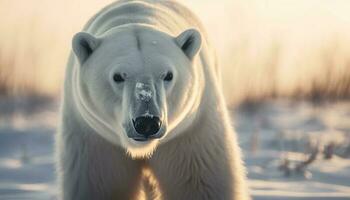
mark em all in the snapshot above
pixel 273 131
pixel 269 133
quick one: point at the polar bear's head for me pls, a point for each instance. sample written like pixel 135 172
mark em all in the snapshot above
pixel 141 83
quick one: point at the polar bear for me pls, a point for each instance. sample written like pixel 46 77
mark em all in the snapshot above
pixel 143 113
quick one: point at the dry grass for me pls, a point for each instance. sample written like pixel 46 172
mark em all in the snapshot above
pixel 267 48
pixel 35 42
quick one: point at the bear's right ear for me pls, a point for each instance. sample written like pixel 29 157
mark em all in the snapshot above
pixel 83 45
pixel 190 42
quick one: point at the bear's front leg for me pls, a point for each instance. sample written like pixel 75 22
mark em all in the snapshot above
pixel 90 168
pixel 196 170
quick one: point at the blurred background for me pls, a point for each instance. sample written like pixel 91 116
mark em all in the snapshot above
pixel 286 75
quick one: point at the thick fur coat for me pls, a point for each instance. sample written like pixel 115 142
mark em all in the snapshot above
pixel 195 154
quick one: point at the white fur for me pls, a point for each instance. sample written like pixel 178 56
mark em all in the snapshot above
pixel 197 157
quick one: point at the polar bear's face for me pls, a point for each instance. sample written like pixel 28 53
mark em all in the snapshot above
pixel 142 82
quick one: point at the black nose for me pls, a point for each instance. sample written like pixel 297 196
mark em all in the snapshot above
pixel 147 126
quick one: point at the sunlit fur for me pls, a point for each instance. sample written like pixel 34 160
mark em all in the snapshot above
pixel 198 156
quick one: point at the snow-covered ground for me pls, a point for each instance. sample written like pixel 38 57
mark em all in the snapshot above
pixel 277 138
pixel 273 132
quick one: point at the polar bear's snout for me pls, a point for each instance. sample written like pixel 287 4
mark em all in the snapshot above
pixel 147 125
pixel 146 119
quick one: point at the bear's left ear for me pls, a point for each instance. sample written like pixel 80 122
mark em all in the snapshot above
pixel 84 44
pixel 190 42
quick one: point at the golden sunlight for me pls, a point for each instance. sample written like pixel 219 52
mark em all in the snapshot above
pixel 266 48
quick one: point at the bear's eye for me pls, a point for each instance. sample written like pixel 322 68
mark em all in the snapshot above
pixel 168 77
pixel 118 78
